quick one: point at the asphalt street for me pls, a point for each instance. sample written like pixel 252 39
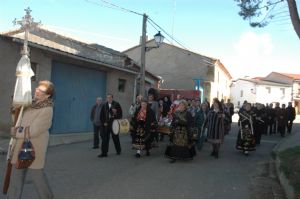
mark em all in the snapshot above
pixel 75 172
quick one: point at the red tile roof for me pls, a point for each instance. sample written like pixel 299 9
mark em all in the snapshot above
pixel 294 76
pixel 258 78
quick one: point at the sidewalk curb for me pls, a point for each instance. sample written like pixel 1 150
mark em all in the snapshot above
pixel 288 189
pixel 55 140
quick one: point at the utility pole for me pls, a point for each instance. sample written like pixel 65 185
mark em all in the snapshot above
pixel 143 56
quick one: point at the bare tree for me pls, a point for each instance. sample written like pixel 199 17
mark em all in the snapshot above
pixel 263 12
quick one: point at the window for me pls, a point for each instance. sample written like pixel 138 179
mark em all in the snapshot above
pixel 34 69
pixel 122 85
pixel 218 77
pixel 268 89
pixel 282 91
pixel 242 93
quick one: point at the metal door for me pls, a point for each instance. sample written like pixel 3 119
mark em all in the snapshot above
pixel 76 89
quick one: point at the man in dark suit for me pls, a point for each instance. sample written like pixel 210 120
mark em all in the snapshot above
pixel 291 115
pixel 111 110
pixel 95 118
pixel 271 118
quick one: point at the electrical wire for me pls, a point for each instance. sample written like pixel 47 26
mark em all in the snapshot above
pixel 150 21
pixel 114 6
pixel 168 34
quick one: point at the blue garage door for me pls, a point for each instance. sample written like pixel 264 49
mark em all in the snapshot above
pixel 76 89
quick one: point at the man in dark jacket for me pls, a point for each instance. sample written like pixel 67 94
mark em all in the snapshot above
pixel 291 115
pixel 281 120
pixel 95 118
pixel 111 110
pixel 270 118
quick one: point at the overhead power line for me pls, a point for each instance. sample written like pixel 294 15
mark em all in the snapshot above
pixel 114 6
pixel 108 4
pixel 168 34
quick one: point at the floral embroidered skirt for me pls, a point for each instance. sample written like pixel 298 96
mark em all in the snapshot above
pixel 245 140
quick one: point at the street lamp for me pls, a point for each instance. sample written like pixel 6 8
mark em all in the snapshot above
pixel 158 40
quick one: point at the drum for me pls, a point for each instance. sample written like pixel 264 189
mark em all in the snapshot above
pixel 120 126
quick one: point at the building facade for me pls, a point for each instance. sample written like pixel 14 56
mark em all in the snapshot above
pixel 291 79
pixel 183 69
pixel 259 91
pixel 80 72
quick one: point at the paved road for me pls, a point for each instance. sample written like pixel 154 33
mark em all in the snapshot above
pixel 75 172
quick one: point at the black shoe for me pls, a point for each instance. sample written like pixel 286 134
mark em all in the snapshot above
pixel 102 155
pixel 137 155
pixel 147 153
pixel 172 161
pixel 95 147
pixel 212 153
pixel 119 153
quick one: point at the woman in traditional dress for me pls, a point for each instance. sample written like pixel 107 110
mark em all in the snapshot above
pixel 200 117
pixel 227 118
pixel 166 106
pixel 181 146
pixel 245 140
pixel 143 125
pixel 153 104
pixel 134 106
pixel 214 123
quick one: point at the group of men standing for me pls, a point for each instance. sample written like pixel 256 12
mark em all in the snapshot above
pixel 102 116
pixel 275 120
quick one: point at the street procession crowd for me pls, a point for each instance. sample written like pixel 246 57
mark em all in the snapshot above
pixel 187 124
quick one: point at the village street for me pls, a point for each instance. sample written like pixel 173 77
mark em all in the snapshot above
pixel 75 172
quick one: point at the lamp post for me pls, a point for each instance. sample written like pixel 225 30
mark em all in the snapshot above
pixel 158 40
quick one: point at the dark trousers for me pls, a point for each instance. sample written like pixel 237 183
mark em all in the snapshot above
pixel 105 136
pixel 281 130
pixel 271 127
pixel 258 130
pixel 289 126
pixel 276 127
pixel 97 132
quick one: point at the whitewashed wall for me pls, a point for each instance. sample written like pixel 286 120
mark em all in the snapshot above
pixel 257 92
pixel 245 87
pixel 276 94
